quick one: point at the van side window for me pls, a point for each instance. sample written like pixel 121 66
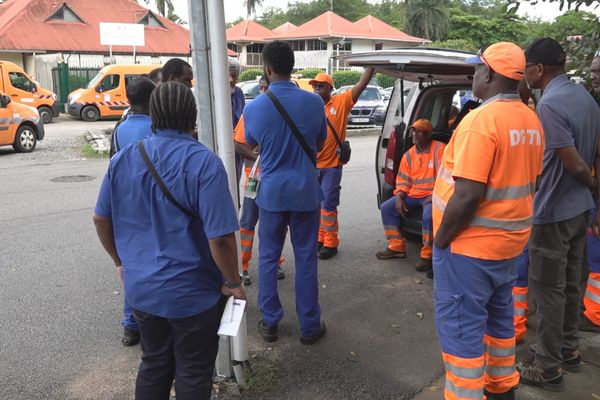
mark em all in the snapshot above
pixel 131 78
pixel 109 82
pixel 20 81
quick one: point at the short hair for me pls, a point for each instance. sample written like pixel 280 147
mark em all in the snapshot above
pixel 546 51
pixel 139 91
pixel 173 106
pixel 279 56
pixel 234 66
pixel 155 75
pixel 174 66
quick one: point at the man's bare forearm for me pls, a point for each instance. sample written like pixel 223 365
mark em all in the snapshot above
pixel 245 151
pixel 104 229
pixel 224 252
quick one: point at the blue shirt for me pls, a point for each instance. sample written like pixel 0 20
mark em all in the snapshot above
pixel 168 267
pixel 569 117
pixel 136 127
pixel 288 178
pixel 237 105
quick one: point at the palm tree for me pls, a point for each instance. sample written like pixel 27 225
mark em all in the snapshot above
pixel 164 7
pixel 251 7
pixel 427 19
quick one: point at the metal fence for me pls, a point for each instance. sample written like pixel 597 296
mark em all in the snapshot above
pixel 64 82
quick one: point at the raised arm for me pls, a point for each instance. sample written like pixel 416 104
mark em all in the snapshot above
pixel 362 83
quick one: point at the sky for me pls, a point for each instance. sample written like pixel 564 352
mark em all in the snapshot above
pixel 235 9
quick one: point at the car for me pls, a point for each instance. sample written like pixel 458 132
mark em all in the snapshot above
pixel 369 109
pixel 251 90
pixel 438 77
pixel 20 125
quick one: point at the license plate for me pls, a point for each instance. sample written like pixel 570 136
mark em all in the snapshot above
pixel 360 120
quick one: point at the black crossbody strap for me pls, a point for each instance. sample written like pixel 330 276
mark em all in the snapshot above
pixel 293 127
pixel 335 135
pixel 161 183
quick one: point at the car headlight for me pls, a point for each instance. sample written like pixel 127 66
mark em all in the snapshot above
pixel 379 110
pixel 74 98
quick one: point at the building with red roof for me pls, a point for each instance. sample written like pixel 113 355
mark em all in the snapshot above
pixel 317 41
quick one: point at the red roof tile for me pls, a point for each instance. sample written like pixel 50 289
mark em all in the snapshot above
pixel 327 24
pixel 372 27
pixel 248 31
pixel 24 25
pixel 284 28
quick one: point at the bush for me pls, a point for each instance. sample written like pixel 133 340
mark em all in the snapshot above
pixel 385 80
pixel 310 73
pixel 250 74
pixel 345 78
pixel 455 44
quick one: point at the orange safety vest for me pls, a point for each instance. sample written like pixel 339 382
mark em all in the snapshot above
pixel 500 144
pixel 417 171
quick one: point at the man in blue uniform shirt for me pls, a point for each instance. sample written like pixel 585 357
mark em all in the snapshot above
pixel 178 256
pixel 289 193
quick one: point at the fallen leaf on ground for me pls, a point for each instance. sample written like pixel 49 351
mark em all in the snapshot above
pixel 419 281
pixel 594 395
pixel 420 315
pixel 395 325
pixel 353 354
pixel 434 388
pixel 324 286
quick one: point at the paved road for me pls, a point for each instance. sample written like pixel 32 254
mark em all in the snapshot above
pixel 60 335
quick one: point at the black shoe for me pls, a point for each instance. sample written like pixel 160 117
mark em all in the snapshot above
pixel 533 375
pixel 314 339
pixel 269 335
pixel 429 274
pixel 571 361
pixel 280 274
pixel 319 246
pixel 424 265
pixel 510 395
pixel 246 278
pixel 130 337
pixel 327 252
pixel 585 325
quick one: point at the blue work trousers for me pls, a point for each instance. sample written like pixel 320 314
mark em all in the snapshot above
pixel 390 216
pixel 330 180
pixel 129 321
pixel 473 297
pixel 304 227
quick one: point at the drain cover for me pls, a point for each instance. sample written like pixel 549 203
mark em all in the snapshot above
pixel 73 178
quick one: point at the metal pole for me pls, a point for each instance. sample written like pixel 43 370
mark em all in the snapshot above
pixel 200 54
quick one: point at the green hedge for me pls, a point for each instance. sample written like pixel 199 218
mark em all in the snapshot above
pixel 345 78
pixel 385 80
pixel 250 74
pixel 309 73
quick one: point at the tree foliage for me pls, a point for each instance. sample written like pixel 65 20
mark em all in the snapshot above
pixel 384 80
pixel 309 73
pixel 250 74
pixel 427 18
pixel 345 78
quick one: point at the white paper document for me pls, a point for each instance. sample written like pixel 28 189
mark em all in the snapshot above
pixel 232 317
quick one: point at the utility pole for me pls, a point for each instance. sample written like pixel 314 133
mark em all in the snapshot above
pixel 331 2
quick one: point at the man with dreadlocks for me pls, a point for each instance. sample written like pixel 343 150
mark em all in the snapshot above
pixel 166 218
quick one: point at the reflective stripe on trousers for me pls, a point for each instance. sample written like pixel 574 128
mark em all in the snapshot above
pixel 328 229
pixel 500 373
pixel 464 377
pixel 592 298
pixel 246 241
pixel 521 309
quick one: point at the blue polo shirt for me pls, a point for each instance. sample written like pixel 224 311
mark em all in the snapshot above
pixel 136 127
pixel 288 178
pixel 168 267
pixel 238 103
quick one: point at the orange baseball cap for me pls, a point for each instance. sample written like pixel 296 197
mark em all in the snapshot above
pixel 422 125
pixel 504 58
pixel 322 78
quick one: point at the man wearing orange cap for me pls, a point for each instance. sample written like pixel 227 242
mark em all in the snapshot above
pixel 414 185
pixel 482 209
pixel 329 165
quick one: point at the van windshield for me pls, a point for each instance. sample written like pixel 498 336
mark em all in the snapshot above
pixel 95 80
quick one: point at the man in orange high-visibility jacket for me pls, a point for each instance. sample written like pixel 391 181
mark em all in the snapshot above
pixel 337 109
pixel 414 185
pixel 482 209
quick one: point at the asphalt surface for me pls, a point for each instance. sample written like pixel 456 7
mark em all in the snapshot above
pixel 60 334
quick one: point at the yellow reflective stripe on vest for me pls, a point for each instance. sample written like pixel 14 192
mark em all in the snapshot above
pixel 510 192
pixel 408 159
pixel 404 176
pixel 507 225
pixel 425 180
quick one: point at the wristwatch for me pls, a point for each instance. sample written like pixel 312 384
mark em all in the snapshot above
pixel 233 285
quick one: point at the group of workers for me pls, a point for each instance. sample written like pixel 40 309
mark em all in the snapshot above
pixel 174 246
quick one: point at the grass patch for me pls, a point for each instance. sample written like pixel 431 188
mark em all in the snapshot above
pixel 261 378
pixel 88 151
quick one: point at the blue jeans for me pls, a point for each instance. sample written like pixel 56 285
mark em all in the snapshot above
pixel 129 321
pixel 304 227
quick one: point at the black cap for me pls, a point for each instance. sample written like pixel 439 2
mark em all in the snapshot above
pixel 545 51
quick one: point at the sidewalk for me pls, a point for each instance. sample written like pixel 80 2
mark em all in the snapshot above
pixel 583 385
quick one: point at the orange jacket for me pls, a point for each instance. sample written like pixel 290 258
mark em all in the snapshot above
pixel 417 172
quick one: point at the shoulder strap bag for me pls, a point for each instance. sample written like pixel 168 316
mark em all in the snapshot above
pixel 293 127
pixel 344 151
pixel 161 183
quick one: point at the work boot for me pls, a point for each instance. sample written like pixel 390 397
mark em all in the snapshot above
pixel 509 395
pixel 314 339
pixel 429 274
pixel 130 337
pixel 327 252
pixel 246 278
pixel 571 361
pixel 533 375
pixel 424 265
pixel 388 254
pixel 586 325
pixel 269 335
pixel 319 246
pixel 280 274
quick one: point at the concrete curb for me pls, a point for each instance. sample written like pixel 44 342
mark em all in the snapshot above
pixel 363 132
pixel 99 139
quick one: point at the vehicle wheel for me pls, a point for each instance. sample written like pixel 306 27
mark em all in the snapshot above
pixel 45 114
pixel 90 114
pixel 25 139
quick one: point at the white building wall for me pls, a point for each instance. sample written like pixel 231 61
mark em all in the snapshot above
pixel 311 59
pixel 16 58
pixel 360 46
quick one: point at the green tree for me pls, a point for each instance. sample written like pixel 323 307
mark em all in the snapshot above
pixel 391 12
pixel 480 31
pixel 251 7
pixel 164 7
pixel 427 18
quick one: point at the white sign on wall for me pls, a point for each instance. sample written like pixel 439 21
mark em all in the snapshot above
pixel 112 34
